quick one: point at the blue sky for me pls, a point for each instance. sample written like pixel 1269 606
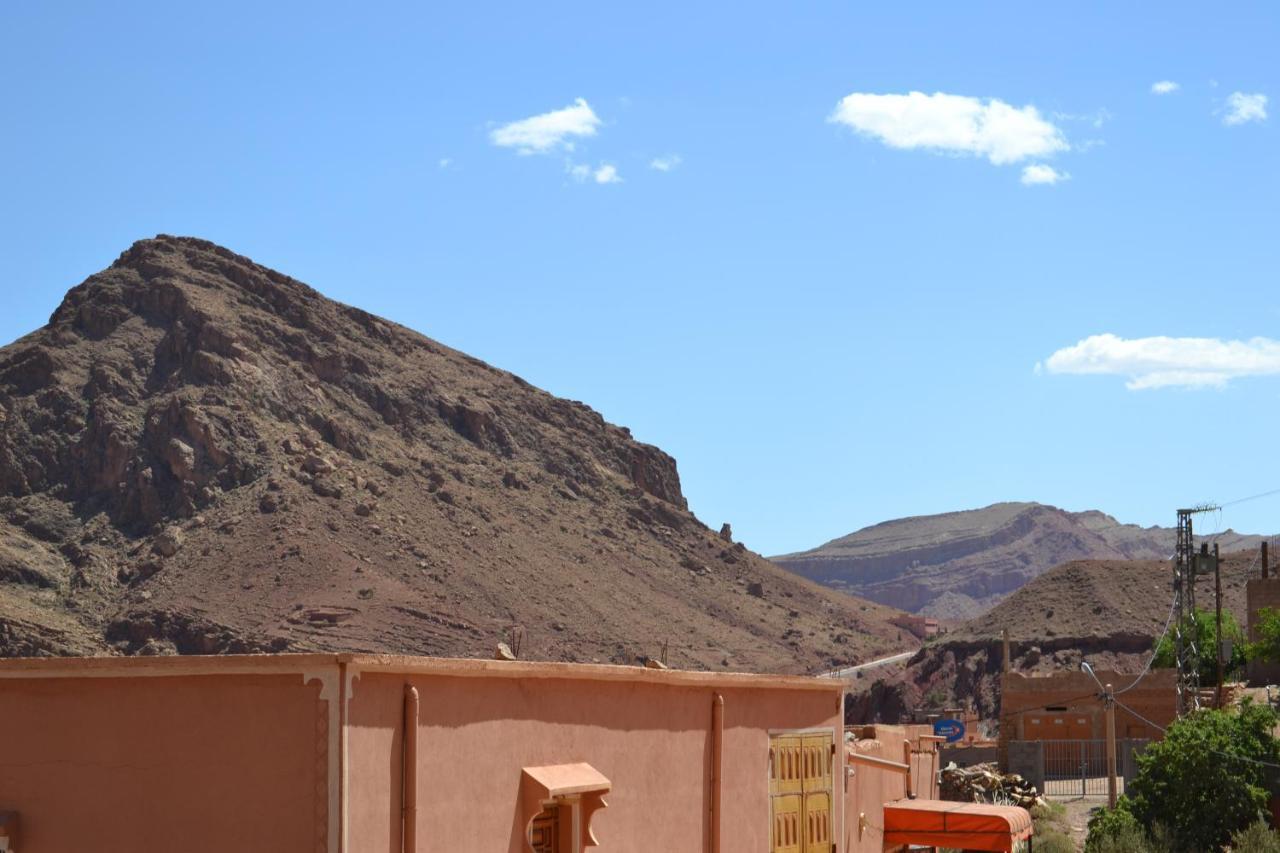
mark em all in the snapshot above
pixel 832 310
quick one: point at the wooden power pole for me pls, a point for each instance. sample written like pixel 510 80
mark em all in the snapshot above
pixel 1217 615
pixel 1109 700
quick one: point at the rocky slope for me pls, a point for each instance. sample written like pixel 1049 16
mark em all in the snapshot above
pixel 202 455
pixel 959 564
pixel 1106 612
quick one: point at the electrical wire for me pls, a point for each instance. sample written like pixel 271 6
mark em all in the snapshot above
pixel 1250 498
pixel 1163 730
pixel 1173 605
pixel 1058 704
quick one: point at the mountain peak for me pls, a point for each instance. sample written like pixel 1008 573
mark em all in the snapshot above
pixel 199 453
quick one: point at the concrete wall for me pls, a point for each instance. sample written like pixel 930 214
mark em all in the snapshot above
pixel 194 764
pixel 967 756
pixel 652 741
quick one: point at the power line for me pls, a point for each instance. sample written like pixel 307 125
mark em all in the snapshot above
pixel 1155 648
pixel 1164 730
pixel 1250 498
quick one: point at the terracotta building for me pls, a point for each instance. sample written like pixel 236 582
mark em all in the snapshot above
pixel 338 753
pixel 1065 705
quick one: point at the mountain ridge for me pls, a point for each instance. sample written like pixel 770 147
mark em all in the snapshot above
pixel 956 565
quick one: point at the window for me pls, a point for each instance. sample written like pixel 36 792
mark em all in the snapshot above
pixel 559 801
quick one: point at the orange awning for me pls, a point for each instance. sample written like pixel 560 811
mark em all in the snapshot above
pixel 967 826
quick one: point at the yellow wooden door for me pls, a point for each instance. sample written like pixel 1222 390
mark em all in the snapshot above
pixel 817 793
pixel 800 776
pixel 788 829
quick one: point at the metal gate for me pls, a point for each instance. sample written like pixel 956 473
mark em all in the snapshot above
pixel 1078 768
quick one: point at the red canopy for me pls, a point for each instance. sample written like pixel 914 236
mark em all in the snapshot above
pixel 966 826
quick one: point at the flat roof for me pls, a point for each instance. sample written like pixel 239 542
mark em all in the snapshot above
pixel 268 664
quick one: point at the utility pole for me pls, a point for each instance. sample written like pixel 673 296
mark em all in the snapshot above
pixel 1186 631
pixel 1109 701
pixel 1108 697
pixel 1217 618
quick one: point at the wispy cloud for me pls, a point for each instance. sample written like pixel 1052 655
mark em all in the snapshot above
pixel 1242 108
pixel 605 173
pixel 1163 362
pixel 548 131
pixel 1164 87
pixel 665 164
pixel 952 124
pixel 444 162
pixel 1041 174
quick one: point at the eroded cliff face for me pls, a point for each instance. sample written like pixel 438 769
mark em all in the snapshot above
pixel 958 565
pixel 199 454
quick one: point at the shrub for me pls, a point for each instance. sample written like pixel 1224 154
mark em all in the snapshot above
pixel 1115 831
pixel 1204 780
pixel 1257 837
pixel 1053 841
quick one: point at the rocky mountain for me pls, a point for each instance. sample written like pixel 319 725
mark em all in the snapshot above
pixel 202 455
pixel 959 564
pixel 1108 612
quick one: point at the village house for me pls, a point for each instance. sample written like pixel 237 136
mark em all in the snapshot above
pixel 332 753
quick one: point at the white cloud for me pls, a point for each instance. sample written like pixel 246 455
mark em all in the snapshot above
pixel 1163 362
pixel 1243 108
pixel 952 124
pixel 1164 87
pixel 444 162
pixel 1040 173
pixel 548 131
pixel 605 173
pixel 665 164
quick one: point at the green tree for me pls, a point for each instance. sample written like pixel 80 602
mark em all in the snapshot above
pixel 1212 775
pixel 1207 628
pixel 1267 647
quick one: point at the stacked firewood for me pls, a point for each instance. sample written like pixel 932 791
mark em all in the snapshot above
pixel 983 783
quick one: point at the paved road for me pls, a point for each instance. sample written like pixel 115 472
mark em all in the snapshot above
pixel 851 671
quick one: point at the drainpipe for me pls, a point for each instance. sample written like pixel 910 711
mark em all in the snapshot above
pixel 906 759
pixel 717 782
pixel 342 756
pixel 409 794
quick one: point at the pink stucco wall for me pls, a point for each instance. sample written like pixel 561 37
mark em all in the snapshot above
pixel 303 753
pixel 869 788
pixel 652 741
pixel 195 764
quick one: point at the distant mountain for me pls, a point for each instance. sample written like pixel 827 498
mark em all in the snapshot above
pixel 959 564
pixel 1108 612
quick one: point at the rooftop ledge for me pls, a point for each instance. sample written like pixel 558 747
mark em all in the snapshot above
pixel 211 665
